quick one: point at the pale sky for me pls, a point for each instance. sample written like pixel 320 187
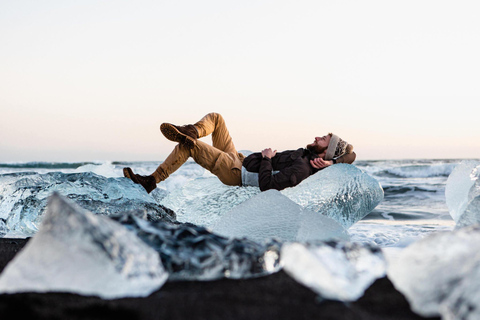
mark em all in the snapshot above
pixel 93 80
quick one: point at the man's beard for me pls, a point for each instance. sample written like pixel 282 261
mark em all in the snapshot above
pixel 314 148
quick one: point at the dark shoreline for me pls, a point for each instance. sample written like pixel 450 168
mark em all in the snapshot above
pixel 273 297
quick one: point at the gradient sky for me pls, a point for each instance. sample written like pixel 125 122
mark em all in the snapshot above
pixel 93 80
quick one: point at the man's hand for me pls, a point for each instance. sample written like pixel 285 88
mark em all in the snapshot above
pixel 319 163
pixel 269 153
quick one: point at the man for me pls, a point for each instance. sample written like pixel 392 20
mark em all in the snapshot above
pixel 271 170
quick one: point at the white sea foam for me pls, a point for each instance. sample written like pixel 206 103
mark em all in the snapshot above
pixel 106 169
pixel 422 171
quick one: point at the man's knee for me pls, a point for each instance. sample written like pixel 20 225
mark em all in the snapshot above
pixel 217 117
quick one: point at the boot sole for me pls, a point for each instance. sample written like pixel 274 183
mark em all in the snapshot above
pixel 173 134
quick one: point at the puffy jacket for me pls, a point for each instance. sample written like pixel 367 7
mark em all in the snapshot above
pixel 293 166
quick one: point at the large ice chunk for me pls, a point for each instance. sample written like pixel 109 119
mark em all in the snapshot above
pixel 24 196
pixel 203 201
pixel 270 214
pixel 191 252
pixel 77 251
pixel 440 274
pixel 334 270
pixel 462 193
pixel 341 192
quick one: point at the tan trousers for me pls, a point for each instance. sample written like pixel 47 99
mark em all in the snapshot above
pixel 221 159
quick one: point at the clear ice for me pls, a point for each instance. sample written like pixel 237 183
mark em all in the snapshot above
pixel 462 193
pixel 440 274
pixel 191 252
pixel 335 270
pixel 203 201
pixel 270 214
pixel 23 198
pixel 77 251
pixel 342 192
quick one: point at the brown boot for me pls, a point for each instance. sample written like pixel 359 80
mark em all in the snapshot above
pixel 148 182
pixel 186 135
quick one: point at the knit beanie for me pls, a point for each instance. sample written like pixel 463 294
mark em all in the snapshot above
pixel 337 148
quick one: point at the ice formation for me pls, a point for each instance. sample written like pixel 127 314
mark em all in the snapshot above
pixel 24 196
pixel 440 274
pixel 335 270
pixel 270 214
pixel 191 252
pixel 341 192
pixel 203 201
pixel 77 251
pixel 462 193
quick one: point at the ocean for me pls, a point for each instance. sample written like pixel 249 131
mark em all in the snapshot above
pixel 414 204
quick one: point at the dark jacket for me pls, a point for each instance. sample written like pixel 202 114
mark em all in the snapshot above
pixel 293 166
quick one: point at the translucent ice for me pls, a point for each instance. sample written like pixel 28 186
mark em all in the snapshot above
pixel 341 192
pixel 24 197
pixel 3 228
pixel 203 201
pixel 190 252
pixel 77 251
pixel 334 270
pixel 462 193
pixel 270 214
pixel 440 274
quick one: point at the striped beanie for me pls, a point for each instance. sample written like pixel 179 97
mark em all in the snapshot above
pixel 337 148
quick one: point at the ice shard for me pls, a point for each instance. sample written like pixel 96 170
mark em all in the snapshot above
pixel 270 214
pixel 342 192
pixel 462 193
pixel 335 270
pixel 191 252
pixel 440 274
pixel 79 252
pixel 24 198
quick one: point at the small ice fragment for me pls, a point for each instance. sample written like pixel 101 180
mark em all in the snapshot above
pixel 462 193
pixel 79 252
pixel 440 274
pixel 338 271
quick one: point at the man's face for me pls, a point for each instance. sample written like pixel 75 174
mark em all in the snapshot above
pixel 319 145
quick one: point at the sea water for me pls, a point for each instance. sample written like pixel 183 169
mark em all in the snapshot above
pixel 413 207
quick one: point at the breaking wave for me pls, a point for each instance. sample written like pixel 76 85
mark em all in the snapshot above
pixel 419 171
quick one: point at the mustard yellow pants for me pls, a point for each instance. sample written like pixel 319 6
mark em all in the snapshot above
pixel 221 158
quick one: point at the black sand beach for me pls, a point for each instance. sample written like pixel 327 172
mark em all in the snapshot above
pixel 273 297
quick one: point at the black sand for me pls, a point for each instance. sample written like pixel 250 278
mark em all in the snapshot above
pixel 273 297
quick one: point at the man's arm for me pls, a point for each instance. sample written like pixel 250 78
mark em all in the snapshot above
pixel 319 163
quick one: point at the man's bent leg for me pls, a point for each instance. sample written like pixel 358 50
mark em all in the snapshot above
pixel 224 165
pixel 213 123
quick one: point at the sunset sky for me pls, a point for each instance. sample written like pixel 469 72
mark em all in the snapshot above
pixel 93 80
